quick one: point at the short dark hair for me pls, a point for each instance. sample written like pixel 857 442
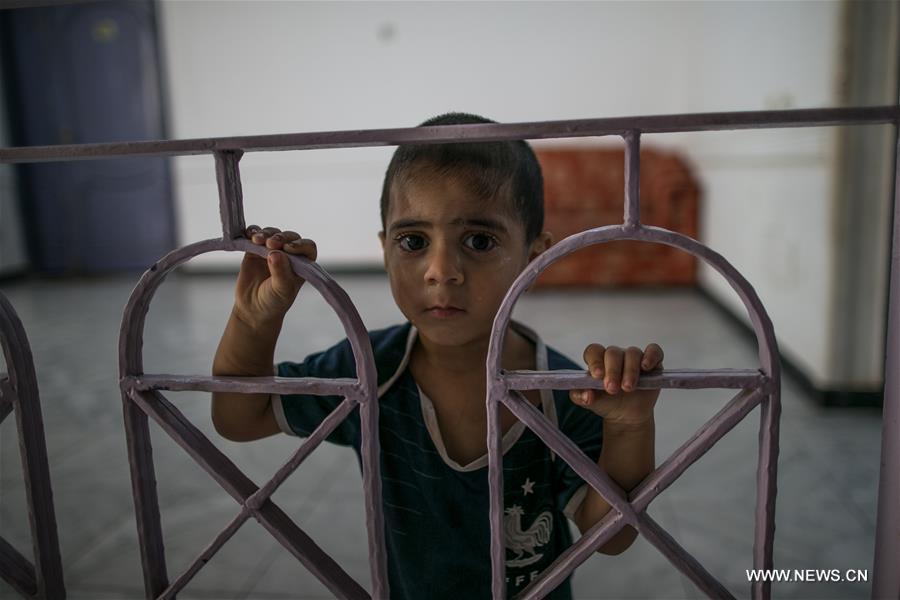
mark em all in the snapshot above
pixel 493 169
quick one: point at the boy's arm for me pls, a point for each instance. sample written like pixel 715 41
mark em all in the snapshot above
pixel 244 351
pixel 628 452
pixel 628 456
pixel 264 292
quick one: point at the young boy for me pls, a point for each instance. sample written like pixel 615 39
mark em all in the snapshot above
pixel 459 223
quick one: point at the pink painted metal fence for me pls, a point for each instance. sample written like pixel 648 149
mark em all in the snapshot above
pixel 760 386
pixel 142 397
pixel 19 392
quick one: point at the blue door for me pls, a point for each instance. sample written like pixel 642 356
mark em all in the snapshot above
pixel 82 73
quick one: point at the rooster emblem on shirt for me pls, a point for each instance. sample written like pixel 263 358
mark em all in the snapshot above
pixel 525 541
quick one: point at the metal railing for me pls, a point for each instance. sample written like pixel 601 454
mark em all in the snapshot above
pixel 42 578
pixel 762 386
pixel 142 393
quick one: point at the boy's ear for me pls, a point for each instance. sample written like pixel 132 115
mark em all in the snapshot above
pixel 540 244
pixel 381 238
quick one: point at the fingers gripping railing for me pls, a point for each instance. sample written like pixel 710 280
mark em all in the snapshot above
pixel 19 393
pixel 757 387
pixel 142 398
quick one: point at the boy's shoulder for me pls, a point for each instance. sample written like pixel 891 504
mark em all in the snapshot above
pixel 390 340
pixel 556 360
pixel 388 348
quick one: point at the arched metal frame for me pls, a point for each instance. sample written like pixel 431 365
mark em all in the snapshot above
pixel 142 397
pixel 141 392
pixel 757 387
pixel 19 393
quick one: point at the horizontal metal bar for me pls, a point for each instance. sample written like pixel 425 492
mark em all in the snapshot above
pixel 244 385
pixel 566 379
pixel 768 119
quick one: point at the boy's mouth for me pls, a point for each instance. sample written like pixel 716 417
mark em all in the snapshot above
pixel 444 311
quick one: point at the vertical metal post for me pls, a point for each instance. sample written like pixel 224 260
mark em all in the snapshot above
pixel 371 457
pixel 22 382
pixel 231 196
pixel 146 501
pixel 766 489
pixel 495 487
pixel 632 178
pixel 886 582
pixel 140 447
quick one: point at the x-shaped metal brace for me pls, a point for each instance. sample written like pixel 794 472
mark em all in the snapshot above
pixel 254 501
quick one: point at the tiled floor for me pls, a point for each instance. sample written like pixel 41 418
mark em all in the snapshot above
pixel 827 482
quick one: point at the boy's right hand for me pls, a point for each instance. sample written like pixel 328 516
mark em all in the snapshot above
pixel 266 287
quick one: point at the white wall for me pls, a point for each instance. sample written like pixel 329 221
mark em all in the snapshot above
pixel 768 198
pixel 240 68
pixel 250 68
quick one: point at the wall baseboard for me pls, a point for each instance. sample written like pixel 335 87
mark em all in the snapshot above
pixel 824 397
pixel 11 275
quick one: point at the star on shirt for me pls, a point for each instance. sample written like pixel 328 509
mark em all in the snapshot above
pixel 528 486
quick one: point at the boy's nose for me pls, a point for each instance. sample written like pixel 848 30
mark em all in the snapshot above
pixel 443 267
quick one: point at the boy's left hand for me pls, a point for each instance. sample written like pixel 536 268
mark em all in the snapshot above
pixel 620 403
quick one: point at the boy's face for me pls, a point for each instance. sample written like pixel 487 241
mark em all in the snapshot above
pixel 451 257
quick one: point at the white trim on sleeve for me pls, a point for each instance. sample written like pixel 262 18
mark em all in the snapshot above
pixel 280 417
pixel 574 502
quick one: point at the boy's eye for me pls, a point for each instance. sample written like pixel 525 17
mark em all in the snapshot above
pixel 481 242
pixel 411 242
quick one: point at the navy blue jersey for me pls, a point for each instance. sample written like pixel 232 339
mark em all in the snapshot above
pixel 436 510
